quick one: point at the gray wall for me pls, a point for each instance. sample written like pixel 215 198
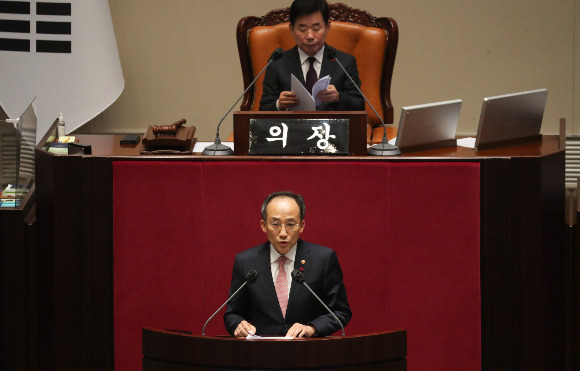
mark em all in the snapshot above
pixel 180 58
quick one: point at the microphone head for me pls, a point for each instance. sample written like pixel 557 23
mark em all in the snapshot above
pixel 330 52
pixel 277 54
pixel 298 276
pixel 252 275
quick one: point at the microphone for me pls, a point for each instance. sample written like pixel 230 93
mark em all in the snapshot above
pixel 299 277
pixel 383 148
pixel 217 148
pixel 250 277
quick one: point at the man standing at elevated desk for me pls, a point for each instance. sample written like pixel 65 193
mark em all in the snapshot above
pixel 274 304
pixel 309 24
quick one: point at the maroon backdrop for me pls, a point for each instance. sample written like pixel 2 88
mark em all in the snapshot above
pixel 406 234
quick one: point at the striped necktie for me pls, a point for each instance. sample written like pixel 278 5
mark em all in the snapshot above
pixel 282 284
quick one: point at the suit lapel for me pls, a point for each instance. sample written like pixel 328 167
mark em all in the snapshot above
pixel 293 64
pixel 297 289
pixel 327 68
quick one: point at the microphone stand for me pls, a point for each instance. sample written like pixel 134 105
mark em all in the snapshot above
pixel 299 277
pixel 219 149
pixel 381 149
pixel 250 277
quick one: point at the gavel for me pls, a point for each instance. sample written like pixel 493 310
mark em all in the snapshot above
pixel 168 129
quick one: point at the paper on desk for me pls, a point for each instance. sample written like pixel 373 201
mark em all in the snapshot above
pixel 468 142
pixel 256 337
pixel 200 146
pixel 307 103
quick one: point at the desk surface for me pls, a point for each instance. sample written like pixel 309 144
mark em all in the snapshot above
pixel 109 146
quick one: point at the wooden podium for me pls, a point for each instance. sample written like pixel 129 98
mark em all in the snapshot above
pixel 167 350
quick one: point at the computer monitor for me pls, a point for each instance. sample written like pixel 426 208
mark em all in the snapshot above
pixel 428 126
pixel 511 118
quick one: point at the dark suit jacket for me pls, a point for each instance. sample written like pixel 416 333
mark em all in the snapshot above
pixel 277 80
pixel 258 304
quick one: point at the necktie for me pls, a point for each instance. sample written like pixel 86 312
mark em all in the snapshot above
pixel 282 284
pixel 311 76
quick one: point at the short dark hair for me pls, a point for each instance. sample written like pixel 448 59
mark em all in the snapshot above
pixel 299 200
pixel 306 7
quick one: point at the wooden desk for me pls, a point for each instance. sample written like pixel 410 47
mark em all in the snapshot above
pixel 477 282
pixel 17 285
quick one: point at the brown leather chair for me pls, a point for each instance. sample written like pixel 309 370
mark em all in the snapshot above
pixel 372 40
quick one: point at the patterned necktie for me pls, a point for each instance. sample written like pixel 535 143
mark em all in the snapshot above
pixel 282 284
pixel 311 75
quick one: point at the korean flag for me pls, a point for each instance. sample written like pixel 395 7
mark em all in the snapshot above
pixel 64 53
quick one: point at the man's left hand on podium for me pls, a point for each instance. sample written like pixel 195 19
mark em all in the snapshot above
pixel 298 331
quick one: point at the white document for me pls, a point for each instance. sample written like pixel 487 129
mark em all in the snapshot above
pixel 321 84
pixel 468 142
pixel 200 146
pixel 307 102
pixel 257 337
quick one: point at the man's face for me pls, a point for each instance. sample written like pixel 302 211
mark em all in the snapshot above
pixel 309 32
pixel 280 212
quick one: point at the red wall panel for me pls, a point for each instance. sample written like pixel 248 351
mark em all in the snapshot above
pixel 158 259
pixel 406 234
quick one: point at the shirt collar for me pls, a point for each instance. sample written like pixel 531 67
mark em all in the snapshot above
pixel 304 56
pixel 274 255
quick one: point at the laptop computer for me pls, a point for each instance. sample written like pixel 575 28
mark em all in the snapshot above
pixel 511 118
pixel 428 126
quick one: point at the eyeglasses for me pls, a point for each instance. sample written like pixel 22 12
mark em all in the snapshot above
pixel 290 226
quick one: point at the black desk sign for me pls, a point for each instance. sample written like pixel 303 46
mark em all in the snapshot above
pixel 298 137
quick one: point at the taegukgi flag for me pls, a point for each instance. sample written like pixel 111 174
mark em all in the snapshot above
pixel 64 53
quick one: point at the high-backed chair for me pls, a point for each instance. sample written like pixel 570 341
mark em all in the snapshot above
pixel 372 40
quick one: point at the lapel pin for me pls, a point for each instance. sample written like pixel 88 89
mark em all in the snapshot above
pixel 303 261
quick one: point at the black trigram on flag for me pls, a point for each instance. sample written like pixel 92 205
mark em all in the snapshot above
pixel 44 28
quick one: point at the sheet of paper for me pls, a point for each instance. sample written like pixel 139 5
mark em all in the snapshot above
pixel 468 142
pixel 306 100
pixel 256 337
pixel 321 84
pixel 199 146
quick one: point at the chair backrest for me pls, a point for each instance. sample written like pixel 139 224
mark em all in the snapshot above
pixel 372 40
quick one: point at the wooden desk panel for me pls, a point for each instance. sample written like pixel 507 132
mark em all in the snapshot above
pixel 521 220
pixel 17 285
pixel 166 350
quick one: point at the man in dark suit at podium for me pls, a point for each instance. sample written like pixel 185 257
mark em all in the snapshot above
pixel 309 24
pixel 275 304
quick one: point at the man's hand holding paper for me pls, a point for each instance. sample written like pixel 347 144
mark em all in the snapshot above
pixel 322 90
pixel 328 95
pixel 319 87
pixel 287 100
